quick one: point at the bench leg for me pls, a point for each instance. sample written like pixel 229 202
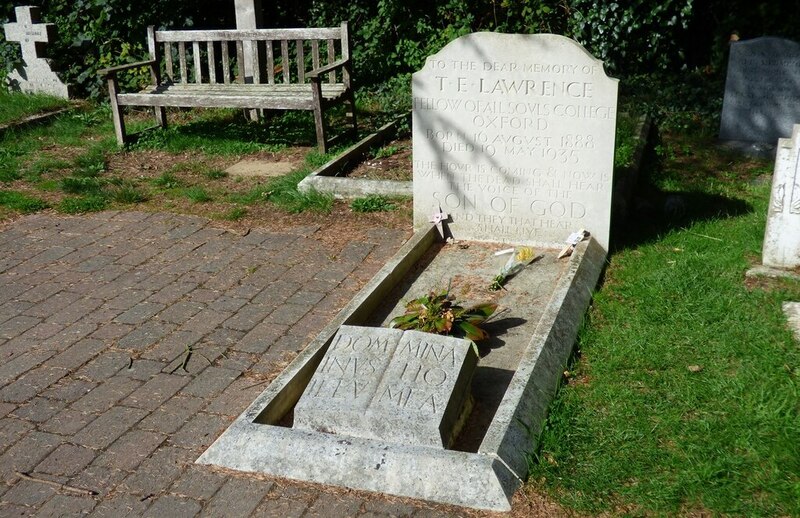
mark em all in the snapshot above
pixel 161 116
pixel 116 111
pixel 319 118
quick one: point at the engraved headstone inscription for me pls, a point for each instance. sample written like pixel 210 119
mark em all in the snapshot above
pixel 35 76
pixel 762 90
pixel 513 137
pixel 782 236
pixel 405 387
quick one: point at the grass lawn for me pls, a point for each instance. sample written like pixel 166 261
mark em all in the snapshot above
pixel 73 165
pixel 683 397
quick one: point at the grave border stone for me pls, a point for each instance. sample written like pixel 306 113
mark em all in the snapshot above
pixel 486 479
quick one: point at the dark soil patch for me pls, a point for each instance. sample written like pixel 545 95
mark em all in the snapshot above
pixel 397 166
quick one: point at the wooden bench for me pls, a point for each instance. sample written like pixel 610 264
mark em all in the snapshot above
pixel 290 69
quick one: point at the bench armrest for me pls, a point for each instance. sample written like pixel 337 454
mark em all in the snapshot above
pixel 314 74
pixel 108 72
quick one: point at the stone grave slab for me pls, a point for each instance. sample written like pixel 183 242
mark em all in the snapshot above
pixel 514 139
pixel 406 387
pixel 258 168
pixel 782 235
pixel 35 76
pixel 762 90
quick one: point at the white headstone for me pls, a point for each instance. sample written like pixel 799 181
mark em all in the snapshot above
pixel 514 139
pixel 405 387
pixel 782 236
pixel 35 76
pixel 762 90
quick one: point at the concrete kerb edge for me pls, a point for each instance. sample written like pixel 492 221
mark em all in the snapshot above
pixel 514 432
pixel 328 177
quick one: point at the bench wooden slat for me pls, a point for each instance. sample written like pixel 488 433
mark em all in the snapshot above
pixel 314 54
pixel 198 69
pixel 182 58
pixel 240 61
pixel 246 89
pixel 301 61
pixel 285 66
pixel 254 65
pixel 192 100
pixel 331 59
pixel 249 34
pixel 168 61
pixel 212 66
pixel 270 63
pixel 226 63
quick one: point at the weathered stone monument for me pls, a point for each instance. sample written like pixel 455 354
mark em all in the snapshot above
pixel 35 76
pixel 514 146
pixel 389 385
pixel 762 90
pixel 513 140
pixel 782 236
pixel 248 16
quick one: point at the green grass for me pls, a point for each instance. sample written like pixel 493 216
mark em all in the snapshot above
pixel 82 204
pixel 197 194
pixel 167 180
pixel 283 192
pixel 685 394
pixel 20 202
pixel 372 203
pixel 15 106
pixel 225 132
pixel 386 152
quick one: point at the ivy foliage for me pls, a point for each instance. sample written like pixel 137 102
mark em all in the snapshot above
pixel 392 38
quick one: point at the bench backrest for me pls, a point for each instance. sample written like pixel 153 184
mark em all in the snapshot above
pixel 278 55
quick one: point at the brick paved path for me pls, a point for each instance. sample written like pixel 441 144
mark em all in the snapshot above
pixel 96 315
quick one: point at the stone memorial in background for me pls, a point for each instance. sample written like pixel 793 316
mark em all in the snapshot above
pixel 762 91
pixel 514 139
pixel 406 387
pixel 35 76
pixel 782 236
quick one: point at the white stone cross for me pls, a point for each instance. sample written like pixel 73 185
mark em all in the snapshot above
pixel 35 76
pixel 28 32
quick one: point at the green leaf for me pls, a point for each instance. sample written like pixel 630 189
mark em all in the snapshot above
pixel 472 332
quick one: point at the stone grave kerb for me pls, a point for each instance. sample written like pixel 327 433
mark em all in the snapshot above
pixel 513 138
pixel 36 75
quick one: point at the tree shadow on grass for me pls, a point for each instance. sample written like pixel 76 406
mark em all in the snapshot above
pixel 653 212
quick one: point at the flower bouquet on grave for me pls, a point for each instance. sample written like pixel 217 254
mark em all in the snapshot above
pixel 522 257
pixel 439 313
